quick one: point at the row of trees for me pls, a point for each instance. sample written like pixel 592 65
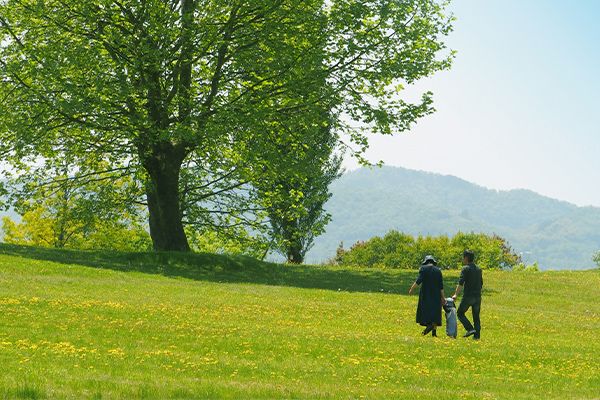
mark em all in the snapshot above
pixel 399 250
pixel 204 116
pixel 62 214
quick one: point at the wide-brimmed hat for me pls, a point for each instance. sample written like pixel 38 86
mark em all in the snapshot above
pixel 429 258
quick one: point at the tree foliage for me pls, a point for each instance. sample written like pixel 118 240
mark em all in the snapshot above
pixel 596 258
pixel 175 93
pixel 399 250
pixel 241 243
pixel 295 183
pixel 61 216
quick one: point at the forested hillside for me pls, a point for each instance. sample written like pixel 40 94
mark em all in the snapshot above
pixel 370 202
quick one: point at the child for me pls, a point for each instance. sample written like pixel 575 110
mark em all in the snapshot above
pixel 450 312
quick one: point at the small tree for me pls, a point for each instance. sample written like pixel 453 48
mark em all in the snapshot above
pixel 596 258
pixel 340 253
pixel 294 181
pixel 64 213
pixel 40 227
pixel 491 252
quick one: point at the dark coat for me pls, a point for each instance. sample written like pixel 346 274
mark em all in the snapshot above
pixel 471 279
pixel 429 309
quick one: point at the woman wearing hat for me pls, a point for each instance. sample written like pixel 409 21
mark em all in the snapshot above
pixel 431 296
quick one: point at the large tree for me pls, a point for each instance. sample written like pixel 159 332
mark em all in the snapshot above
pixel 152 87
pixel 303 161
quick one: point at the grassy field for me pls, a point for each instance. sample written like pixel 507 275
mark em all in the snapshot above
pixel 91 325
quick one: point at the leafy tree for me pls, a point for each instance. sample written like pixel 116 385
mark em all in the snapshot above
pixel 53 224
pixel 64 213
pixel 38 228
pixel 397 250
pixel 295 183
pixel 160 90
pixel 340 253
pixel 596 259
pixel 508 258
pixel 491 252
pixel 440 246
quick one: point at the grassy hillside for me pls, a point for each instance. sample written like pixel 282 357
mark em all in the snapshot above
pixel 92 325
pixel 371 202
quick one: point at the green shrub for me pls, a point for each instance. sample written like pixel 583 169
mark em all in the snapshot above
pixel 399 250
pixel 523 267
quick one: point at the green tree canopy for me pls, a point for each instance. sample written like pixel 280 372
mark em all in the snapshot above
pixel 296 175
pixel 63 214
pixel 174 93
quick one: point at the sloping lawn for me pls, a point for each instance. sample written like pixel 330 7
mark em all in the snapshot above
pixel 93 325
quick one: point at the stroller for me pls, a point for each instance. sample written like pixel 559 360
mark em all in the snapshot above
pixel 450 313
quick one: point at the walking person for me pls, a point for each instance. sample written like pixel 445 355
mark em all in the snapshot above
pixel 450 313
pixel 471 280
pixel 431 296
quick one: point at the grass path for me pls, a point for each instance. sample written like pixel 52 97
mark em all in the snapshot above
pixel 167 326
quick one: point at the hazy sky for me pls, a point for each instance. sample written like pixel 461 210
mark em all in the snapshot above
pixel 520 108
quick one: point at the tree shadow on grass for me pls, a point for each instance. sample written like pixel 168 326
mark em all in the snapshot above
pixel 232 269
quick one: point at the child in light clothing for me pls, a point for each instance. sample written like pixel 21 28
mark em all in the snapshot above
pixel 450 313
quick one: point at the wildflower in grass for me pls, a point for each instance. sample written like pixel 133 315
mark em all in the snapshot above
pixel 116 352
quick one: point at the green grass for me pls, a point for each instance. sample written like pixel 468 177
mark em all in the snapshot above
pixel 94 325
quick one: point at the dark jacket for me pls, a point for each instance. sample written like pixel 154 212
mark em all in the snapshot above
pixel 471 280
pixel 429 309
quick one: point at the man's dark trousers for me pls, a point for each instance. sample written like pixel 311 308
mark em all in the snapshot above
pixel 475 303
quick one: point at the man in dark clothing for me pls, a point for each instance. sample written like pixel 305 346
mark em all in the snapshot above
pixel 431 296
pixel 472 281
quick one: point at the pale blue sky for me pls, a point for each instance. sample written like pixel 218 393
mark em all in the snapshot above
pixel 520 107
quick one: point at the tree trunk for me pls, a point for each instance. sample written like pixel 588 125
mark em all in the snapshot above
pixel 294 256
pixel 294 249
pixel 162 191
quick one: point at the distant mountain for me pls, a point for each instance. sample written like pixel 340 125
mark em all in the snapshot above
pixel 371 202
